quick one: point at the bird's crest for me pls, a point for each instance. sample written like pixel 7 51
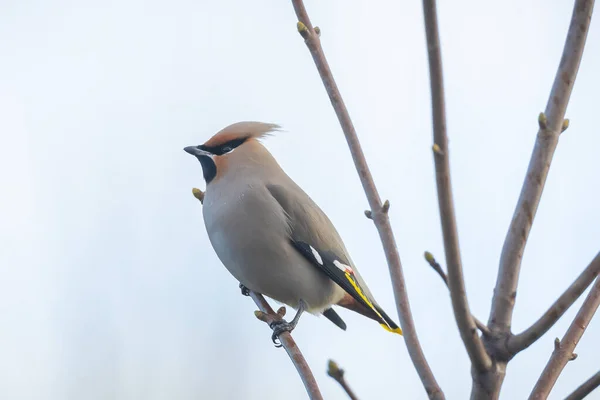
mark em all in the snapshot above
pixel 244 129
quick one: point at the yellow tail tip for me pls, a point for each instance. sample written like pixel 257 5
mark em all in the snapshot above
pixel 397 330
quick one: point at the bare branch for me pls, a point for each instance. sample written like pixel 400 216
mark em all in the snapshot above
pixel 563 350
pixel 267 315
pixel 462 313
pixel 290 347
pixel 378 214
pixel 547 139
pixel 586 388
pixel 334 371
pixel 440 271
pixel 534 332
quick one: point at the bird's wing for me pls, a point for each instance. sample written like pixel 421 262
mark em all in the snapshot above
pixel 315 237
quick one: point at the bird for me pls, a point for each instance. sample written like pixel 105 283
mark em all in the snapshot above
pixel 271 236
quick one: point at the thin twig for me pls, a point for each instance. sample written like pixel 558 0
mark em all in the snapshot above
pixel 378 213
pixel 436 266
pixel 547 139
pixel 292 350
pixel 440 271
pixel 563 350
pixel 267 315
pixel 586 388
pixel 334 371
pixel 541 326
pixel 456 284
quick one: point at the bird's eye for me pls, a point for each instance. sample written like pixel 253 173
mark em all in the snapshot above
pixel 226 149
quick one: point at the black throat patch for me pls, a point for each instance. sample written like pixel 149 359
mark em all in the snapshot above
pixel 209 168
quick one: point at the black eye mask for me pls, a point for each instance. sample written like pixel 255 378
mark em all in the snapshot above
pixel 223 148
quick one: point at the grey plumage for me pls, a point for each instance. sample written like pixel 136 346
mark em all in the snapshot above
pixel 241 213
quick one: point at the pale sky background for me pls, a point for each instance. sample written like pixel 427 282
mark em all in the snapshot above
pixel 109 288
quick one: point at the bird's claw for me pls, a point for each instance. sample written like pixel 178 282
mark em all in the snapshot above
pixel 279 327
pixel 245 290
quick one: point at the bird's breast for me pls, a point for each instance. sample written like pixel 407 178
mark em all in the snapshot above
pixel 249 231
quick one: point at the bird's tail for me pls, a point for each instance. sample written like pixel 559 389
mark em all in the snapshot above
pixel 375 313
pixel 388 324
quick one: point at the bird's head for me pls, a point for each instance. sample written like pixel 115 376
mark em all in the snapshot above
pixel 213 153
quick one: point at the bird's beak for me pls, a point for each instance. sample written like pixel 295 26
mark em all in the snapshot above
pixel 195 151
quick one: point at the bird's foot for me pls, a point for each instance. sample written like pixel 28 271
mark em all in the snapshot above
pixel 279 326
pixel 245 290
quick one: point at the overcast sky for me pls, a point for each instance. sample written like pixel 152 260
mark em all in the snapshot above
pixel 109 288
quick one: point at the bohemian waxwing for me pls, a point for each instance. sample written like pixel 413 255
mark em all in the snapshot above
pixel 270 234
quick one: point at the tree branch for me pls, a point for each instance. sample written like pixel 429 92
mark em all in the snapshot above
pixel 334 371
pixel 586 388
pixel 289 345
pixel 378 212
pixel 440 271
pixel 541 326
pixel 267 315
pixel 551 125
pixel 563 350
pixel 462 313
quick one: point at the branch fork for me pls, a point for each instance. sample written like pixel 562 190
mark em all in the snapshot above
pixel 440 271
pixel 478 355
